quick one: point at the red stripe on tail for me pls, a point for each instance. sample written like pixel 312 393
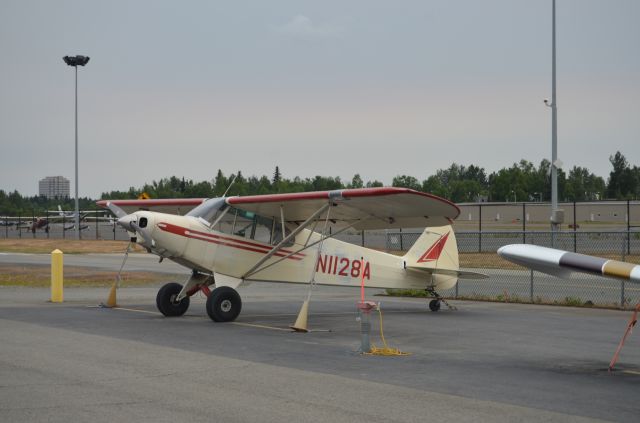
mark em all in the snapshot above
pixel 433 253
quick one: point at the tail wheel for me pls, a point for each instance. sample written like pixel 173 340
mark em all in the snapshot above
pixel 166 300
pixel 434 305
pixel 224 304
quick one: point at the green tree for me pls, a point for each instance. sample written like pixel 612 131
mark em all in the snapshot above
pixel 623 180
pixel 406 181
pixel 356 182
pixel 220 184
pixel 584 186
pixel 277 177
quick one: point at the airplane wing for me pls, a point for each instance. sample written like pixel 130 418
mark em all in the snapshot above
pixel 562 263
pixel 167 205
pixel 364 208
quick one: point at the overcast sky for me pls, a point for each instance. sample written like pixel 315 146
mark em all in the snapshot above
pixel 326 87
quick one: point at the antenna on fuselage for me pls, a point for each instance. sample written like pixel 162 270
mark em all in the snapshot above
pixel 230 185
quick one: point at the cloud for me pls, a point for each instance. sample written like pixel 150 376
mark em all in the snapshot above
pixel 302 27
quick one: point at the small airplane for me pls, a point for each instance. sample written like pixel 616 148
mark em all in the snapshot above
pixel 39 223
pixel 230 241
pixel 67 215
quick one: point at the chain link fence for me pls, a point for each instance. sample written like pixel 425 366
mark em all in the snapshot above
pixel 512 283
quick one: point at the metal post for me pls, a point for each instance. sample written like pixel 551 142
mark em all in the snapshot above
pixel 575 229
pixel 365 331
pixel 531 287
pixel 363 237
pixel 47 227
pixel 77 218
pixel 524 224
pixel 401 246
pixel 554 123
pixel 64 230
pixel 479 228
pixel 19 226
pixel 622 294
pixel 96 215
pixel 628 227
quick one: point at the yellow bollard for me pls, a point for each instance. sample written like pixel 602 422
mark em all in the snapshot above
pixel 57 276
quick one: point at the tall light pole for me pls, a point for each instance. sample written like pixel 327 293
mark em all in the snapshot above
pixel 554 121
pixel 556 215
pixel 76 61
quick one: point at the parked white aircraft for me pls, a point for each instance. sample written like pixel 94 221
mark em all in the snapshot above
pixel 230 241
pixel 562 263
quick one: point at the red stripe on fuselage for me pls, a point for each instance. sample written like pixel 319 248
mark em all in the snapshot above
pixel 225 241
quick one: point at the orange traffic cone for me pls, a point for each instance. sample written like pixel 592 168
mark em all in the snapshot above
pixel 111 301
pixel 301 322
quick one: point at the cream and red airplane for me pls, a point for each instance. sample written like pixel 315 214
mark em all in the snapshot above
pixel 230 241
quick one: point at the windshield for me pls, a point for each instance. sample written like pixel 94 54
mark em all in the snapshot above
pixel 239 222
pixel 209 210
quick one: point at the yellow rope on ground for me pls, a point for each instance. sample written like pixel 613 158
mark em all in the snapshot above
pixel 386 350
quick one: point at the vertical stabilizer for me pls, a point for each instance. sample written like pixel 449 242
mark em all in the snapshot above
pixel 436 248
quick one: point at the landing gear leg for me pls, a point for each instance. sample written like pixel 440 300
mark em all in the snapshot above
pixel 173 299
pixel 434 305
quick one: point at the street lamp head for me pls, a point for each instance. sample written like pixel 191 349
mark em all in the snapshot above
pixel 76 60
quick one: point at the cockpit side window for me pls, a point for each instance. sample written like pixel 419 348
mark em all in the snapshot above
pixel 251 226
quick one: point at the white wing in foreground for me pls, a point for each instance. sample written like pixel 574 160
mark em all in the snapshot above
pixel 561 263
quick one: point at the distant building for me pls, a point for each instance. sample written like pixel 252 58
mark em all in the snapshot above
pixel 54 187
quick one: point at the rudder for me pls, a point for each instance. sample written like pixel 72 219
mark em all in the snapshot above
pixel 436 248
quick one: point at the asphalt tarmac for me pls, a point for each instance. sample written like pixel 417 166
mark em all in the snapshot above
pixel 487 362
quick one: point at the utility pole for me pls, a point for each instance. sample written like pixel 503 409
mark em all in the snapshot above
pixel 557 216
pixel 76 61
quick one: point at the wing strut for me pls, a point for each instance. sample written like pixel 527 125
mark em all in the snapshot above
pixel 285 240
pixel 312 282
pixel 306 247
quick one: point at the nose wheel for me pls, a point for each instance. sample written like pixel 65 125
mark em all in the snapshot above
pixel 434 305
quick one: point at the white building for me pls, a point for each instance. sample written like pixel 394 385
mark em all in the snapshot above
pixel 54 187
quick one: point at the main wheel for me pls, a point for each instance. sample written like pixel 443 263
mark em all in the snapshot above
pixel 434 305
pixel 224 304
pixel 166 300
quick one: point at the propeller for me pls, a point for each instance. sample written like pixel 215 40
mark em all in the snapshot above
pixel 130 223
pixel 116 210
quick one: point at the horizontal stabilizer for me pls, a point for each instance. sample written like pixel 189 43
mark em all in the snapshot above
pixel 460 274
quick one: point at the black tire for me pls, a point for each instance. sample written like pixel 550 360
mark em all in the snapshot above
pixel 224 304
pixel 165 300
pixel 434 305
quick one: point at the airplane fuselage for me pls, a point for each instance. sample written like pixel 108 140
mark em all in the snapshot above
pixel 192 243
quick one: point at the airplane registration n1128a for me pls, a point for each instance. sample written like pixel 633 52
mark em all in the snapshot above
pixel 227 242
